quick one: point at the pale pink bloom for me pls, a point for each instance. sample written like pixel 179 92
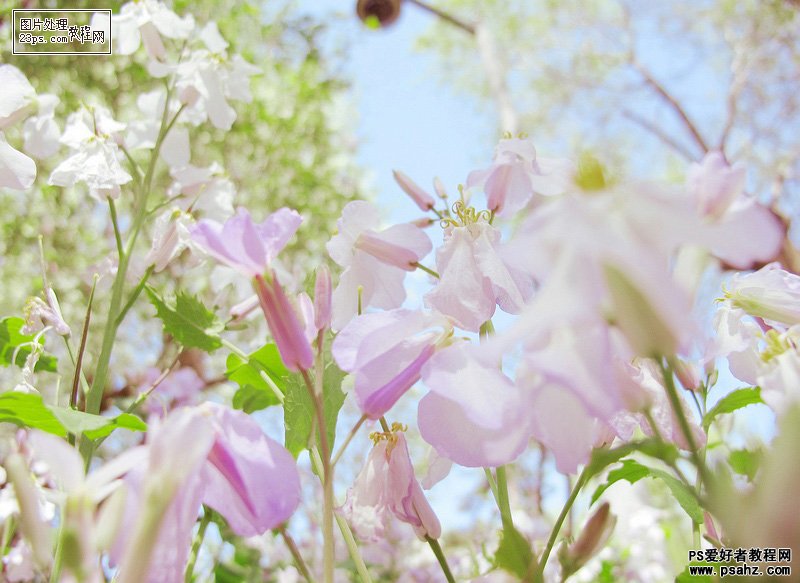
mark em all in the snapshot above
pixel 386 352
pixel 17 96
pixel 39 314
pixel 284 324
pixel 771 293
pixel 375 261
pixel 714 184
pixel 474 278
pixel 171 235
pixel 387 484
pixel 144 21
pixel 17 170
pixel 474 415
pixel 244 245
pixel 41 132
pixel 209 455
pixel 517 173
pixel 305 309
pixel 204 189
pixel 421 198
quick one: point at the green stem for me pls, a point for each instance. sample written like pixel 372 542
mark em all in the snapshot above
pixel 675 402
pixel 427 270
pixel 437 550
pixel 347 534
pixel 502 497
pixel 196 544
pixel 134 295
pixel 58 558
pixel 492 485
pixel 115 223
pixel 349 438
pixel 582 479
pixel 295 552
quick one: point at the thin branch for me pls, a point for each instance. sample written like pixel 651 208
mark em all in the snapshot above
pixel 659 133
pixel 673 103
pixel 466 27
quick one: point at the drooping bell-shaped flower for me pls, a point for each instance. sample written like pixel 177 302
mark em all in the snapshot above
pixel 375 261
pixel 387 485
pixel 474 415
pixel 244 245
pixel 386 352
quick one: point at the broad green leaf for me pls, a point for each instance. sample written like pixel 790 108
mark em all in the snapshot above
pixel 188 321
pixel 299 414
pixel 633 471
pixel 732 402
pixel 11 337
pixel 255 393
pixel 28 410
pixel 514 553
pixel 745 462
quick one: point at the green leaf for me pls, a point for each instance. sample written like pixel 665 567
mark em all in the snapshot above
pixel 514 553
pixel 633 471
pixel 732 402
pixel 604 457
pixel 28 410
pixel 96 426
pixel 745 462
pixel 11 337
pixel 188 321
pixel 298 409
pixel 255 393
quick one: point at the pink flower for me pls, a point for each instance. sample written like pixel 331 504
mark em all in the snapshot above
pixel 387 484
pixel 386 352
pixel 714 184
pixel 517 174
pixel 209 455
pixel 244 245
pixel 474 415
pixel 322 299
pixel 179 388
pixel 375 261
pixel 474 278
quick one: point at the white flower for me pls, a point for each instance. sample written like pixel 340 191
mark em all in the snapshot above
pixel 17 170
pixel 95 155
pixel 170 237
pixel 16 96
pixel 144 21
pixel 204 189
pixel 41 132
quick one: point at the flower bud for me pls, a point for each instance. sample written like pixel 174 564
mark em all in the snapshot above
pixel 593 537
pixel 422 199
pixel 687 374
pixel 322 298
pixel 282 320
